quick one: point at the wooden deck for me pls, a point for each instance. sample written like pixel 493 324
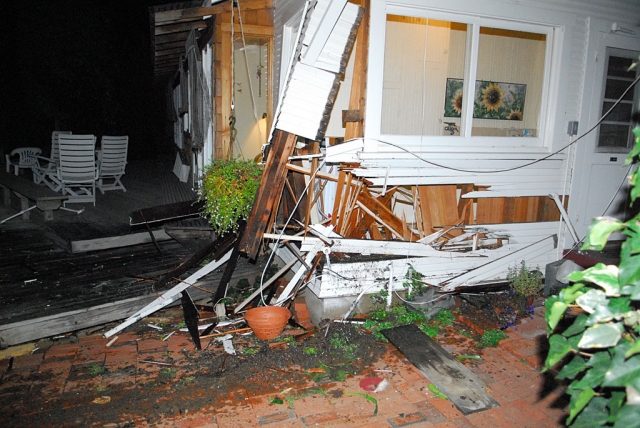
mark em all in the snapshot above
pixel 47 290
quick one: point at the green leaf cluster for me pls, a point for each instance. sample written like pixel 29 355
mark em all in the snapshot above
pixel 598 350
pixel 228 190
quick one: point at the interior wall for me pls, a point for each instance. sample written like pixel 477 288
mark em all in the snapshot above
pixel 415 74
pixel 250 130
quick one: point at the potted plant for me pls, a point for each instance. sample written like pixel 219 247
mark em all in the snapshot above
pixel 524 282
pixel 228 190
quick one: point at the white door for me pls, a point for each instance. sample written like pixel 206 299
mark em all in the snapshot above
pixel 600 184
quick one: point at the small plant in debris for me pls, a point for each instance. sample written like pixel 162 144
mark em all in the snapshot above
pixel 249 351
pixel 380 298
pixel 398 315
pixel 291 341
pixel 413 283
pixel 96 369
pixel 342 343
pixel 526 283
pixel 228 191
pixel 166 375
pixel 185 381
pixel 491 338
pixel 100 388
pixel 310 350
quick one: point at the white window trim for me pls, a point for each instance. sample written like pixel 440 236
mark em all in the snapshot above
pixel 555 32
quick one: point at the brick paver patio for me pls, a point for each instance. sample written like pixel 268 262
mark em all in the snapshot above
pixel 52 379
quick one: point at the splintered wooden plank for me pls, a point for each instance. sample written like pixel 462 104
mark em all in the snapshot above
pixel 461 386
pixel 271 185
pixel 383 214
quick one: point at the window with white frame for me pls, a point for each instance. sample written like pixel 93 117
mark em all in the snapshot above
pixel 615 133
pixel 456 75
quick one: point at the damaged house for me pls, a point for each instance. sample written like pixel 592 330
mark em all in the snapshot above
pixel 457 139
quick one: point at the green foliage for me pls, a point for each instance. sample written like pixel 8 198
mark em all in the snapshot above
pixel 491 338
pixel 228 190
pixel 398 315
pixel 413 283
pixel 599 351
pixel 96 369
pixel 368 397
pixel 342 343
pixel 525 282
pixel 436 391
pixel 310 351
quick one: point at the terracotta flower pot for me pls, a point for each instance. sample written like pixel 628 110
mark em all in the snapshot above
pixel 267 322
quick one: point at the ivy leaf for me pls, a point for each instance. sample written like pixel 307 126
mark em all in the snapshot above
pixel 615 404
pixel 570 294
pixel 622 371
pixel 631 319
pixel 595 414
pixel 574 368
pixel 599 231
pixel 601 336
pixel 629 256
pixel 578 326
pixel 555 314
pixel 578 402
pixel 600 363
pixel 558 348
pixel 591 299
pixel 605 276
pixel 627 417
pixel 616 308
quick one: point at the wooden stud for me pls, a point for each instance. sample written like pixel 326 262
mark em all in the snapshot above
pixel 271 184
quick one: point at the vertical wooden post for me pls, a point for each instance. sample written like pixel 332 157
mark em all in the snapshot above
pixel 271 185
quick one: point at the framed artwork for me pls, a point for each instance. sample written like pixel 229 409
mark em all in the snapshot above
pixel 492 100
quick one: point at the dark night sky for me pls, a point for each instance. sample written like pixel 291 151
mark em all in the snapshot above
pixel 80 65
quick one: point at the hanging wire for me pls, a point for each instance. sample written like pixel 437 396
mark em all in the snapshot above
pixel 495 171
pixel 284 228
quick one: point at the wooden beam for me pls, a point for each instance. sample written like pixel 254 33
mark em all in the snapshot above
pixel 117 241
pixel 461 386
pixel 359 81
pixel 378 210
pixel 180 15
pixel 254 30
pixel 177 28
pixel 271 185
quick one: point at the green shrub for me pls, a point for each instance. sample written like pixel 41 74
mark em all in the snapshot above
pixel 525 282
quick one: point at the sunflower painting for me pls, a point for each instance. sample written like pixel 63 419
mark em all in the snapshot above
pixel 493 100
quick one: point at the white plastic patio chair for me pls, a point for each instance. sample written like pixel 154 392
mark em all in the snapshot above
pixel 112 162
pixel 21 158
pixel 78 170
pixel 45 169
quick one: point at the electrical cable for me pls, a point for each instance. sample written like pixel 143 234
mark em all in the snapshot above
pixel 275 245
pixel 604 116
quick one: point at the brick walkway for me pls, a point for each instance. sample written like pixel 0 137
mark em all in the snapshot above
pixel 54 381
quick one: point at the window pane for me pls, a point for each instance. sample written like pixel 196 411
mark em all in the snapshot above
pixel 423 60
pixel 509 83
pixel 614 136
pixel 619 67
pixel 622 112
pixel 616 87
pixel 615 131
